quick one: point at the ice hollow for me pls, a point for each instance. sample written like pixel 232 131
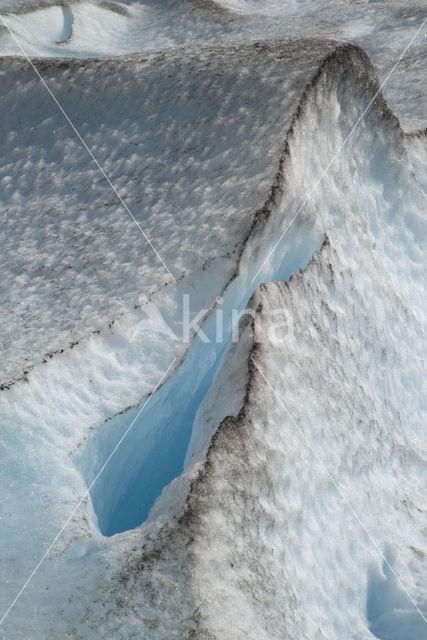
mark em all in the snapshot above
pixel 155 449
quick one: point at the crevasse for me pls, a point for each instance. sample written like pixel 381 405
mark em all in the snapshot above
pixel 155 448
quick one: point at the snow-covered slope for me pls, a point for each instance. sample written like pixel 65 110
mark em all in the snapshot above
pixel 382 28
pixel 319 476
pixel 260 536
pixel 172 131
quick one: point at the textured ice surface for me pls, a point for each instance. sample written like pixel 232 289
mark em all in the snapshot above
pixel 417 150
pixel 382 27
pixel 181 136
pixel 254 536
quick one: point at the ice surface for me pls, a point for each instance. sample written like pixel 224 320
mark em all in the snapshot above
pixel 417 150
pixel 383 28
pixel 290 483
pixel 391 613
pixel 156 449
pixel 171 131
pixel 254 524
pixel 271 488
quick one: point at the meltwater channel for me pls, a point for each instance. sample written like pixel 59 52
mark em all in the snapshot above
pixel 154 450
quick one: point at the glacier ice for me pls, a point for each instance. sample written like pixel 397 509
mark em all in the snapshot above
pixel 102 28
pixel 292 474
pixel 155 450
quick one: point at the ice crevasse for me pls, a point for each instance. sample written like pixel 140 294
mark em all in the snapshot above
pixel 297 508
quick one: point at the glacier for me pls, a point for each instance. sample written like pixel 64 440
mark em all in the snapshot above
pixel 271 487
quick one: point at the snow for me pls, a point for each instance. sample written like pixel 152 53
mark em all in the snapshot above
pixel 417 151
pixel 382 28
pixel 169 148
pixel 291 464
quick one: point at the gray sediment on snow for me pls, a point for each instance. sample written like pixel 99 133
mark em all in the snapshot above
pixel 63 206
pixel 254 515
pixel 78 234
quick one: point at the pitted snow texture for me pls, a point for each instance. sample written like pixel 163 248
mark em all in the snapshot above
pixel 324 472
pixel 359 310
pixel 417 151
pixel 308 498
pixel 383 28
pixel 288 520
pixel 182 138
